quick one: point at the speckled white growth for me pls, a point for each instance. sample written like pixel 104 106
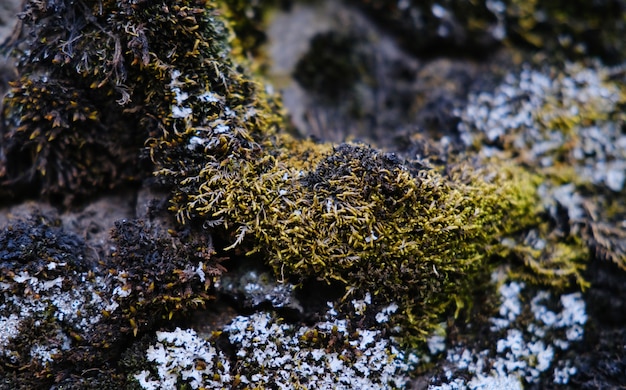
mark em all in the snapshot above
pixel 271 354
pixel 510 306
pixel 178 110
pixel 533 110
pixel 383 315
pixel 183 357
pixel 524 352
pixel 275 355
pixel 563 374
pixel 78 309
pixel 9 328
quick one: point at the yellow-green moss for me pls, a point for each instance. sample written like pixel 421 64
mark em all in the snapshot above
pixel 361 218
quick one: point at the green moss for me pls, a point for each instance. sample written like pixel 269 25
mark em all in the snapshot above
pixel 359 217
pixel 98 78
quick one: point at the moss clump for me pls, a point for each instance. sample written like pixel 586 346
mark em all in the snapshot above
pixel 56 141
pixel 67 309
pixel 99 78
pixel 162 275
pixel 47 305
pixel 65 132
pixel 362 218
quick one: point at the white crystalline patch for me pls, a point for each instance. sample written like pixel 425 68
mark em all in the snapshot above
pixel 120 290
pixel 24 277
pixel 383 315
pixel 360 305
pixel 47 285
pixel 220 129
pixel 180 95
pixel 195 141
pixel 522 353
pixel 200 272
pixel 543 355
pixel 181 112
pixel 615 179
pixel 9 328
pixel 278 353
pixel 43 354
pixel 273 354
pixel 175 75
pixel 574 310
pixel 575 333
pixel 495 382
pixel 541 312
pixel 436 344
pixel 53 265
pixel 510 307
pixel 145 382
pixel 367 338
pixel 562 375
pixel 209 97
pixel 334 363
pixel 566 196
pixel 371 238
pixel 178 110
pixel 177 354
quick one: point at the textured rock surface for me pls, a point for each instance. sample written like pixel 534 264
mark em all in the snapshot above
pixel 202 277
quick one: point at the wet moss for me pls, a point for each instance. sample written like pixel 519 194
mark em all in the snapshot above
pixel 97 80
pixel 164 273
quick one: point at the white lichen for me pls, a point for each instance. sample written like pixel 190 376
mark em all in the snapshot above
pixel 181 356
pixel 525 350
pixel 270 353
pixel 571 113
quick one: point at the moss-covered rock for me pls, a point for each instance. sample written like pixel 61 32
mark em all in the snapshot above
pixel 160 79
pixel 351 214
pixel 67 308
pixel 98 79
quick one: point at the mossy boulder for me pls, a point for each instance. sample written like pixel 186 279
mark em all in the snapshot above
pixel 149 90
